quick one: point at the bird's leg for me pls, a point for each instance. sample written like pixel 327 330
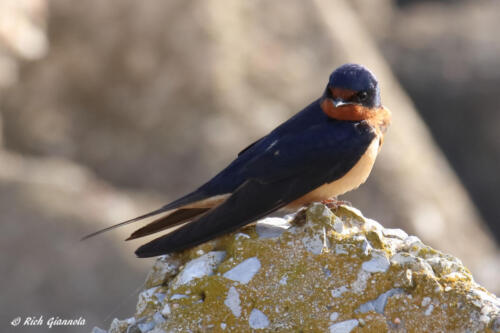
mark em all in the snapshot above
pixel 334 203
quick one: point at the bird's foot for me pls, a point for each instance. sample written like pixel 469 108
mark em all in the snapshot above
pixel 333 203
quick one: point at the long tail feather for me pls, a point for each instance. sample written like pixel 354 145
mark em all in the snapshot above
pixel 250 202
pixel 98 232
pixel 190 198
pixel 177 217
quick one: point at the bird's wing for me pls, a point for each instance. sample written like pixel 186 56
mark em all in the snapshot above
pixel 290 168
pixel 232 176
pixel 250 146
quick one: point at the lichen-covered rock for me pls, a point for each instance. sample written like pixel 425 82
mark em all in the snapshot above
pixel 317 271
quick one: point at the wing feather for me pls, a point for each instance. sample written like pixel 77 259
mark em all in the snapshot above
pixel 274 182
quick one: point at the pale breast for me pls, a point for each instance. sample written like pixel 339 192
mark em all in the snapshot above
pixel 351 180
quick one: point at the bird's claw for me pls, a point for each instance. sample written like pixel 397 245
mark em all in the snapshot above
pixel 333 203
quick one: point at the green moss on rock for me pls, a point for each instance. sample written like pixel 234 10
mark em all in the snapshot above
pixel 324 271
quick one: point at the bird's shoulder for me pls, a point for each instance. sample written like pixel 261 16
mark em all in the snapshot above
pixel 309 142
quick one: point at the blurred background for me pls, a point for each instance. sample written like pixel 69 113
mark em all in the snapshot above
pixel 111 108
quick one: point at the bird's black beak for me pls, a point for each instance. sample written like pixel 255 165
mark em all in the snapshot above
pixel 340 102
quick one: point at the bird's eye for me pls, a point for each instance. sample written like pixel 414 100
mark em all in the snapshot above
pixel 363 96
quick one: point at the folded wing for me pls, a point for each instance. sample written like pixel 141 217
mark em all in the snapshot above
pixel 293 166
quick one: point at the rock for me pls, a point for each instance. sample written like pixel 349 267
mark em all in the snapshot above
pixel 199 267
pixel 324 271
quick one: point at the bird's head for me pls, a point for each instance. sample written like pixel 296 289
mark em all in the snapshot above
pixel 352 94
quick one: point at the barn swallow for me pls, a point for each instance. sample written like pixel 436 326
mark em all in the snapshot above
pixel 325 150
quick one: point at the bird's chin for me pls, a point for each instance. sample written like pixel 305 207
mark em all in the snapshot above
pixel 347 111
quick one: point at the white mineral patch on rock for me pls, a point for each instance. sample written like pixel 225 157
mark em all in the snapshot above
pixel 393 244
pixel 395 233
pixel 313 244
pixel 148 293
pixel 146 327
pixel 145 297
pixel 160 297
pixel 199 267
pixel 413 241
pixel 334 316
pixel 245 271
pixel 271 227
pixel 166 310
pixel 378 263
pixel 289 217
pixel 440 264
pixel 419 263
pixel 359 285
pixel 158 318
pixel 338 225
pixel 372 225
pixel 426 301
pixel 233 301
pixel 258 320
pixel 164 267
pixel 241 235
pixel 429 309
pixel 344 326
pixel 365 245
pixel 177 296
pixel 403 258
pixel 356 212
pixel 487 297
pixel 378 304
pixel 327 213
pixel 337 292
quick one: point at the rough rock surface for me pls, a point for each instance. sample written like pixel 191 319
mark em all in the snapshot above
pixel 317 271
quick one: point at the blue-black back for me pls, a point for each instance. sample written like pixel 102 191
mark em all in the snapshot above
pixel 309 142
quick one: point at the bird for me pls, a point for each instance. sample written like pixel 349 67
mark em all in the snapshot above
pixel 323 151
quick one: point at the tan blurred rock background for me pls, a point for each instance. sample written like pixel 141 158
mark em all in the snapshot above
pixel 112 108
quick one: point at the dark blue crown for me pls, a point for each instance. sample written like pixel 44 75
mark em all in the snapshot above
pixel 357 78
